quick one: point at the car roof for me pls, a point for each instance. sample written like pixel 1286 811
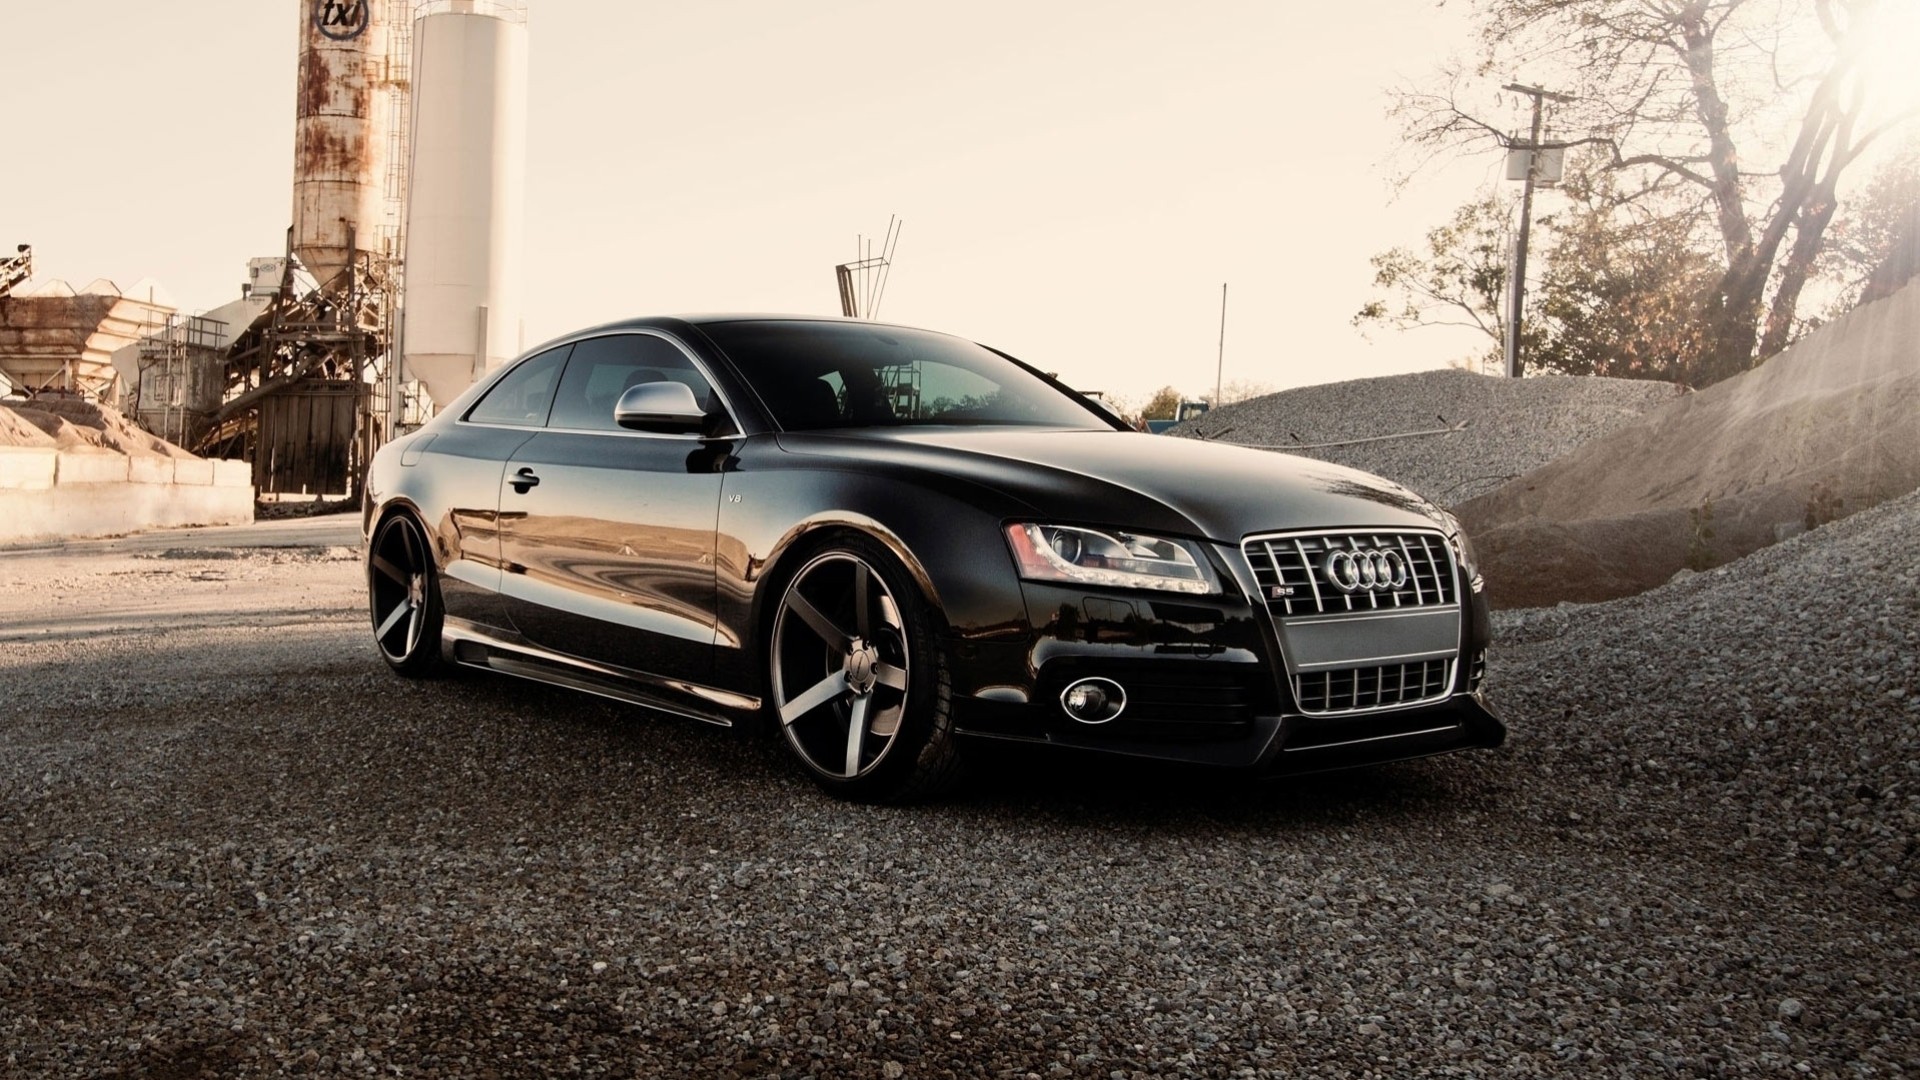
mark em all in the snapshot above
pixel 708 318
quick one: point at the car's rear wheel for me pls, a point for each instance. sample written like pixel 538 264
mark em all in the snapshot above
pixel 403 594
pixel 859 688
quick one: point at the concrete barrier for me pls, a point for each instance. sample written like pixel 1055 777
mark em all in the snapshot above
pixel 150 470
pixel 26 468
pixel 75 467
pixel 194 471
pixel 50 494
pixel 232 473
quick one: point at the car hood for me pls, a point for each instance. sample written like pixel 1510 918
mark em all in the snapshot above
pixel 1212 490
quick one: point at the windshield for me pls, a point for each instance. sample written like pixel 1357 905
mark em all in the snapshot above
pixel 821 375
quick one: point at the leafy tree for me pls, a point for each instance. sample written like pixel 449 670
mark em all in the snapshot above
pixel 1626 285
pixel 1460 279
pixel 1681 97
pixel 1161 405
pixel 1625 281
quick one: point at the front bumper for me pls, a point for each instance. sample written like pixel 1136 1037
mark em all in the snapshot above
pixel 1213 681
pixel 1283 744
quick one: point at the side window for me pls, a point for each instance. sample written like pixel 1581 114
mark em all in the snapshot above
pixel 604 368
pixel 523 397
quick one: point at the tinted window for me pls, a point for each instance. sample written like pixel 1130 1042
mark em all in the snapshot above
pixel 603 368
pixel 814 375
pixel 523 397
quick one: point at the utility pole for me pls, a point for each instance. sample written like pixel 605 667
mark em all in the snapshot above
pixel 1220 365
pixel 1518 292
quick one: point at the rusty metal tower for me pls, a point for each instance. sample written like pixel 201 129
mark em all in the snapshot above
pixel 306 397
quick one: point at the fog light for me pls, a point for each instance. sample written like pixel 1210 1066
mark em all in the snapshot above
pixel 1093 701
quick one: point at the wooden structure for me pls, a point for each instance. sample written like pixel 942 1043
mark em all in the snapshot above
pixel 309 441
pixel 306 398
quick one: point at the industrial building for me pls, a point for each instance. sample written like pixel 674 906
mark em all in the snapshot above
pixel 400 279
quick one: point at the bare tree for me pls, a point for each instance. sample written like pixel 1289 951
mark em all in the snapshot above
pixel 1671 91
pixel 1460 279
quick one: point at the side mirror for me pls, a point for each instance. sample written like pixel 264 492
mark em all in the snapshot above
pixel 665 407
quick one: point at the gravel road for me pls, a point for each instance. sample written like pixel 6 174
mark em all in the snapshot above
pixel 235 845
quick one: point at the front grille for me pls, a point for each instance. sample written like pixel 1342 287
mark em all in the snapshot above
pixel 1289 569
pixel 1362 688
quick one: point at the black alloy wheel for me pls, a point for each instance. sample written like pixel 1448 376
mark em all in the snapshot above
pixel 858 687
pixel 404 596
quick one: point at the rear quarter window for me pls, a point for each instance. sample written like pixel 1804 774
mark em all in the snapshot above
pixel 524 396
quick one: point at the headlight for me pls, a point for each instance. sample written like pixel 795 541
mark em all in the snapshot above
pixel 1109 557
pixel 1463 551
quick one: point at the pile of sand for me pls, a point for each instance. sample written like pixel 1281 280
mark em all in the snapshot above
pixel 75 425
pixel 17 430
pixel 1825 429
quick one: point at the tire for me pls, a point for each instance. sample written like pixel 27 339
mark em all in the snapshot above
pixel 403 596
pixel 858 686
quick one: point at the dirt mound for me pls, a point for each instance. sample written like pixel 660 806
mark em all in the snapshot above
pixel 1446 434
pixel 17 430
pixel 71 424
pixel 1830 427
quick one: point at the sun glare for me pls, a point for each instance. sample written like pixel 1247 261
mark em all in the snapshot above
pixel 1890 63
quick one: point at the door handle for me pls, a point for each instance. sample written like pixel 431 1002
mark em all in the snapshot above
pixel 523 482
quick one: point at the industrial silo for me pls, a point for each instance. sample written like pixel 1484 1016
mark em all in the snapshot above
pixel 466 194
pixel 341 134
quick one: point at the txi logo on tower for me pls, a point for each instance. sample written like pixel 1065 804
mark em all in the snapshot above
pixel 341 20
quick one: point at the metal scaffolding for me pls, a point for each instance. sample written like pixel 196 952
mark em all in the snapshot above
pixel 305 396
pixel 15 269
pixel 179 379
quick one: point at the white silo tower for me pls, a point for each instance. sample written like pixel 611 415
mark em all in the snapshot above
pixel 465 232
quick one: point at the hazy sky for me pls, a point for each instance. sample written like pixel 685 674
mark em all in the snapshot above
pixel 1076 179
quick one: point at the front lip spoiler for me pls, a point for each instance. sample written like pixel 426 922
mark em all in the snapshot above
pixel 1238 754
pixel 1314 743
pixel 1278 745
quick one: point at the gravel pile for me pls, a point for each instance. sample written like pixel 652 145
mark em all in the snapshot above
pixel 1780 694
pixel 1484 430
pixel 236 846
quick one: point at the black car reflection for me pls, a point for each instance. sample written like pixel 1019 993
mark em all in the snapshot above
pixel 885 543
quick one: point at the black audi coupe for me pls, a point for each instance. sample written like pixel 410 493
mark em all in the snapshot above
pixel 886 543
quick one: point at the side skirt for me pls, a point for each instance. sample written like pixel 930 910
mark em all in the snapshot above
pixel 473 645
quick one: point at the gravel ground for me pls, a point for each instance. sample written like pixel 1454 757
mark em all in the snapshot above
pixel 1511 426
pixel 235 845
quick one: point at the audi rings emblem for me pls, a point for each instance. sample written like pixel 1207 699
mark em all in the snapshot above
pixel 1367 570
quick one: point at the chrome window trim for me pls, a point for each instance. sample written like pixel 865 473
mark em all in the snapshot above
pixel 623 434
pixel 494 379
pixel 726 403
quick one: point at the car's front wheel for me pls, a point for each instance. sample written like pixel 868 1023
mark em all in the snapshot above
pixel 859 688
pixel 403 595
